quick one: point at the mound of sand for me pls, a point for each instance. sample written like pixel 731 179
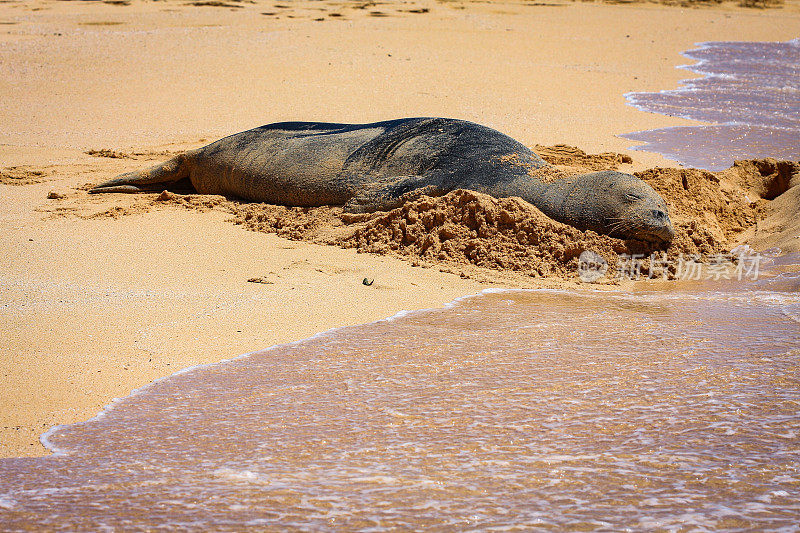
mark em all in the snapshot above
pixel 563 154
pixel 726 202
pixel 467 228
pixel 21 175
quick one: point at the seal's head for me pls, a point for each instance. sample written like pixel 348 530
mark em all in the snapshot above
pixel 608 202
pixel 629 208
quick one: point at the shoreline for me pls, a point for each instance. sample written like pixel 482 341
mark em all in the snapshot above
pixel 53 451
pixel 98 305
pixel 735 76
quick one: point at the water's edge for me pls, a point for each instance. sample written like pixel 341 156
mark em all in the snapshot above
pixel 44 439
pixel 746 100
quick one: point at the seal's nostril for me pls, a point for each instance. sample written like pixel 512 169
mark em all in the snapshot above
pixel 658 214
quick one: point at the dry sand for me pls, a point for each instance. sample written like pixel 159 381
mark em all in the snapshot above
pixel 100 295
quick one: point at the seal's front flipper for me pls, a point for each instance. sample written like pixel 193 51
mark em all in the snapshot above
pixel 148 180
pixel 391 193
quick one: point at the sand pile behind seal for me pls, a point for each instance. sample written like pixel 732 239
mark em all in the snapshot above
pixel 725 202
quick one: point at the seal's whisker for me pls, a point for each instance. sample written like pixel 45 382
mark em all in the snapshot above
pixel 621 224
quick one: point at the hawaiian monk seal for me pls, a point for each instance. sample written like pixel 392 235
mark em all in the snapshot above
pixel 378 166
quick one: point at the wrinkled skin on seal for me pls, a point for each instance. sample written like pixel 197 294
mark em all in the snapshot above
pixel 379 166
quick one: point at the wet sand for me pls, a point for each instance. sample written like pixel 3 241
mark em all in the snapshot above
pixel 94 304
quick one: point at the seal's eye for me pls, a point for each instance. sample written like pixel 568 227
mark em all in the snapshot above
pixel 632 197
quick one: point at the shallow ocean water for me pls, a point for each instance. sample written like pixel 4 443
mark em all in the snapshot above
pixel 510 410
pixel 749 92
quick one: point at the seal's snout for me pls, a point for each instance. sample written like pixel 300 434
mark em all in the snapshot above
pixel 660 226
pixel 659 215
pixel 666 232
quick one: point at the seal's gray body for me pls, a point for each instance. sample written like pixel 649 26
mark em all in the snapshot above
pixel 371 167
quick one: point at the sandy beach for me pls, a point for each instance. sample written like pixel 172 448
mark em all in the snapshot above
pixel 101 295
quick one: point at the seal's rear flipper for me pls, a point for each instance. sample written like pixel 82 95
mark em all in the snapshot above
pixel 116 188
pixel 152 179
pixel 391 193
